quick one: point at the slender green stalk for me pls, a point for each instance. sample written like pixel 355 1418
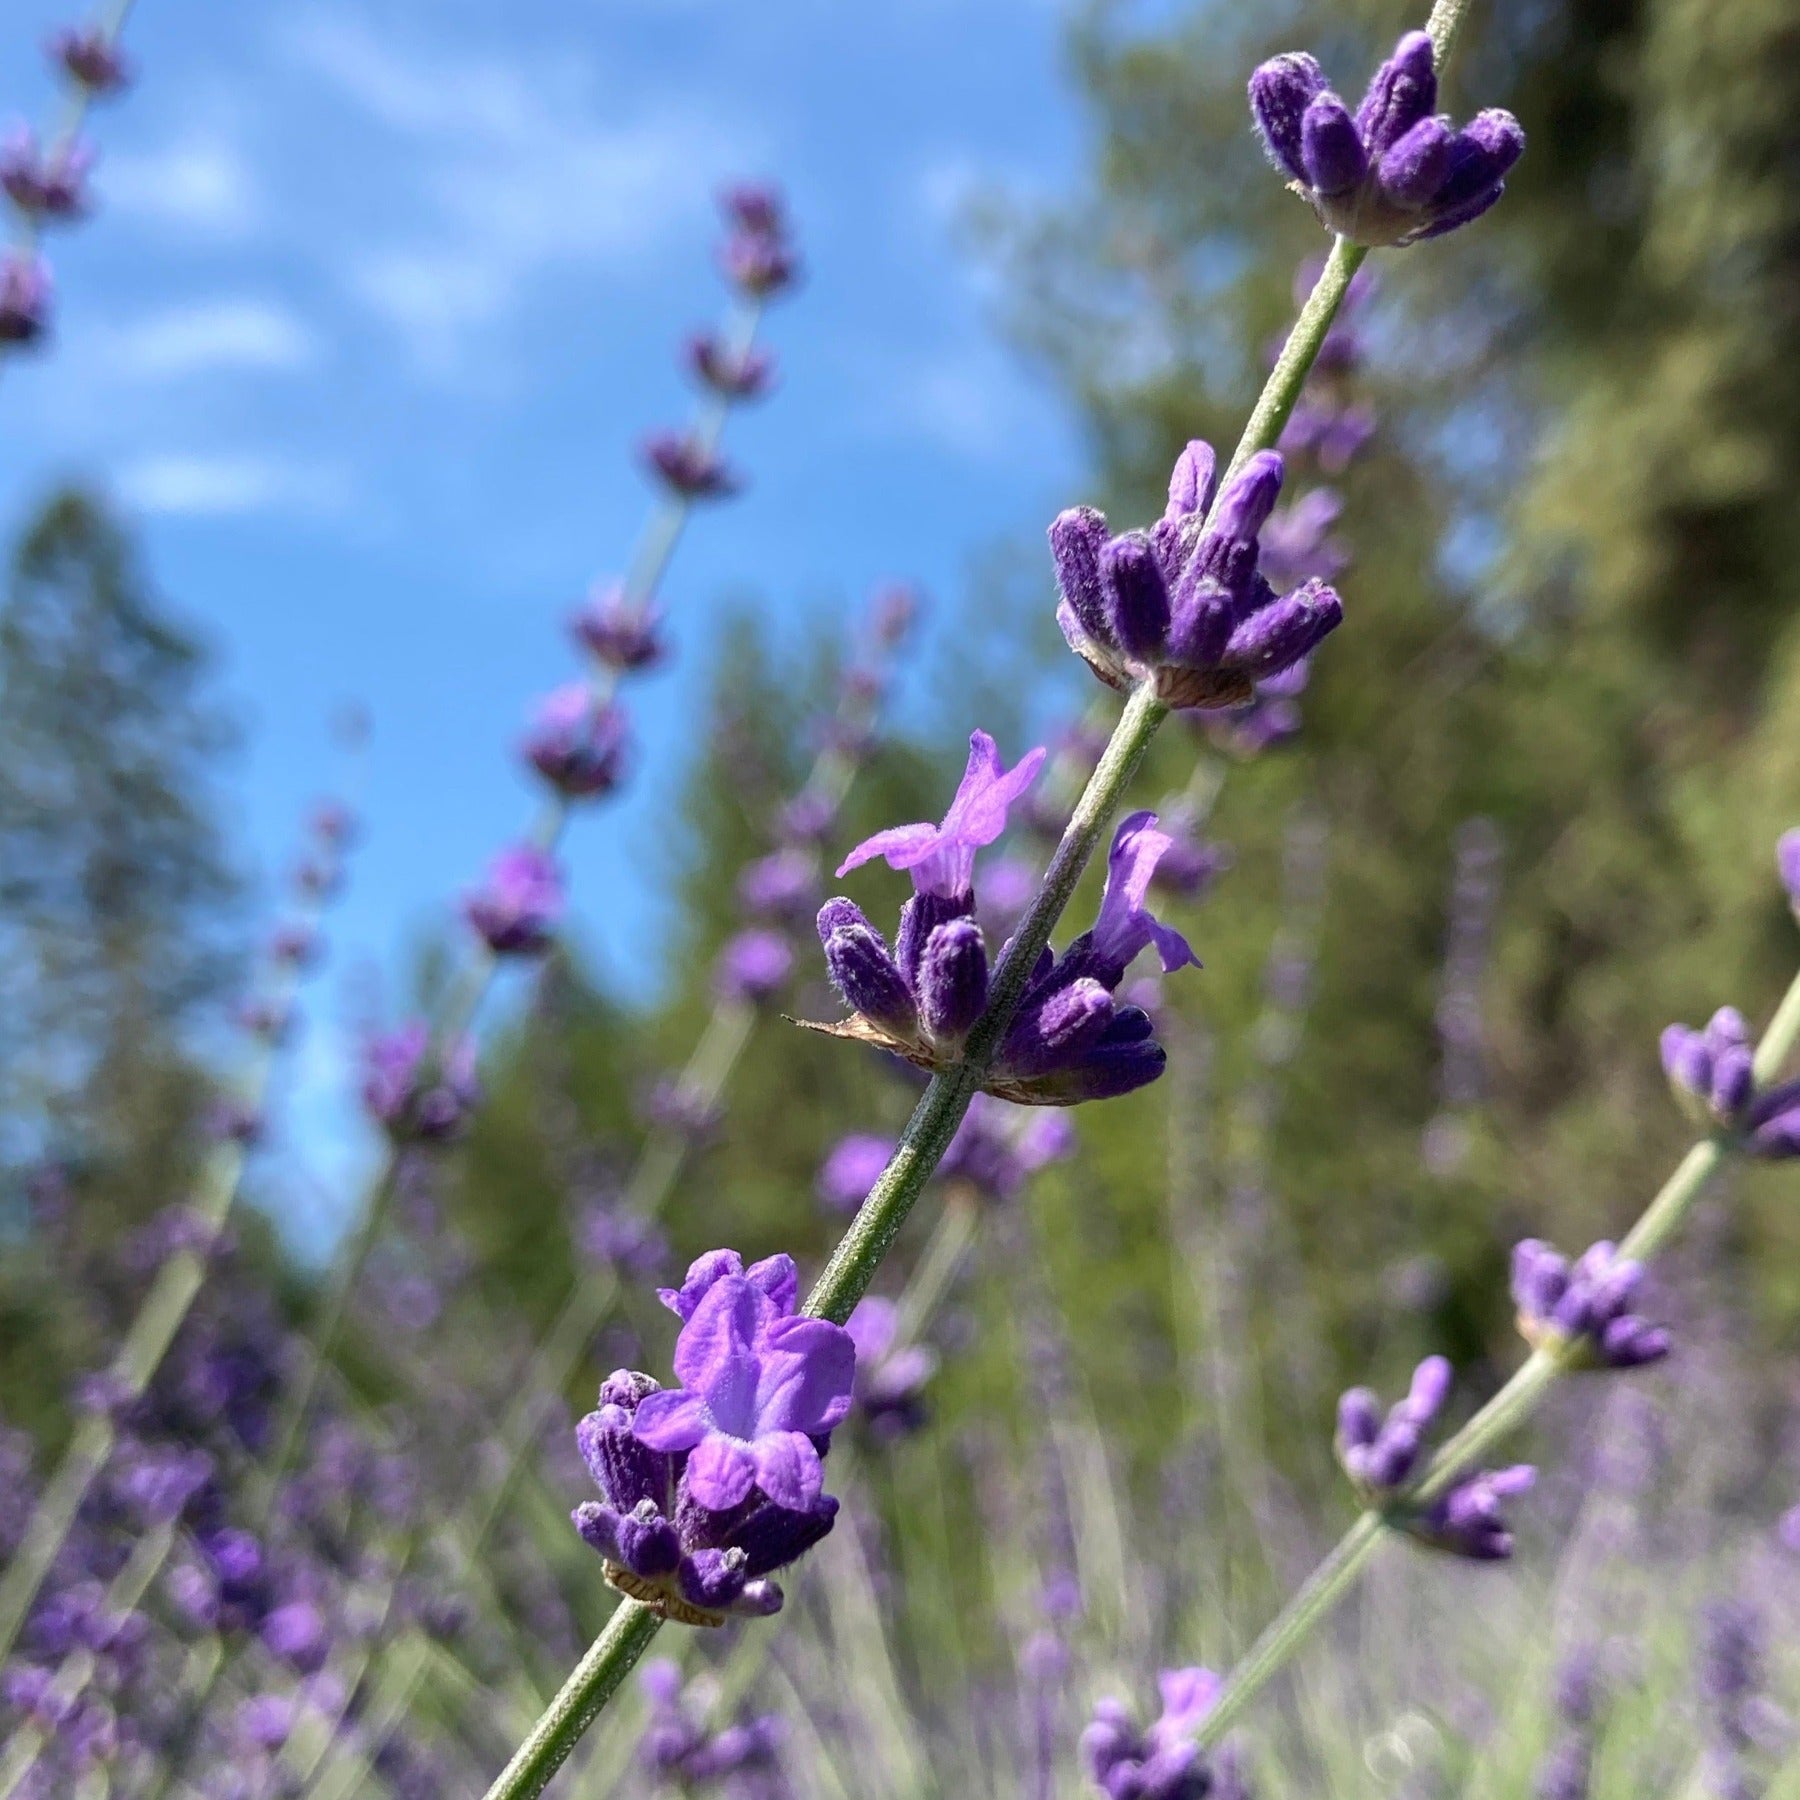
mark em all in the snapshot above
pixel 1504 1414
pixel 946 1099
pixel 597 1677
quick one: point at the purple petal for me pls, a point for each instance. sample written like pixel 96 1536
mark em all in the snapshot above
pixel 900 846
pixel 1280 92
pixel 1137 600
pixel 672 1421
pixel 788 1469
pixel 779 1279
pixel 1415 167
pixel 703 1273
pixel 1191 480
pixel 1331 148
pixel 721 1471
pixel 808 1370
pixel 1403 91
pixel 724 1334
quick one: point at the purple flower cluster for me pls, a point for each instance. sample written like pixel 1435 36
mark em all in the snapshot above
pixel 1396 171
pixel 1585 1307
pixel 1186 605
pixel 1713 1074
pixel 92 59
pixel 732 374
pixel 417 1092
pixel 25 295
pixel 689 467
pixel 1069 1041
pixel 713 1486
pixel 891 1376
pixel 680 1748
pixel 517 907
pixel 48 187
pixel 1381 1453
pixel 619 635
pixel 577 741
pixel 1160 1761
pixel 758 254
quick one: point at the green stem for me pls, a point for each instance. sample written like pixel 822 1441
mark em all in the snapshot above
pixel 596 1678
pixel 1503 1414
pixel 946 1099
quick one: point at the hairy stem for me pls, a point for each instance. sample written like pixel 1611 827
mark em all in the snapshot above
pixel 1503 1414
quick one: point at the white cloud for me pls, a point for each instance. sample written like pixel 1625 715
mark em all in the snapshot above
pixel 200 184
pixel 519 168
pixel 228 484
pixel 232 334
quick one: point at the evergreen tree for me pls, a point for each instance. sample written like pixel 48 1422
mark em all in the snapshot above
pixel 115 887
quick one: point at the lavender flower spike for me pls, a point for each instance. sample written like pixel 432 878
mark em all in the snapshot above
pixel 1398 171
pixel 1161 1762
pixel 1184 605
pixel 711 1487
pixel 517 908
pixel 1380 1454
pixel 1069 1040
pixel 1584 1310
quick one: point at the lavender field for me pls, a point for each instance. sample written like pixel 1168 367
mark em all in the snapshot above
pixel 869 933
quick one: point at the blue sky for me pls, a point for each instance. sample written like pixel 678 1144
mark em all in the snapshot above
pixel 382 294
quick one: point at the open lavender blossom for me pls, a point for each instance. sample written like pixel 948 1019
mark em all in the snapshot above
pixel 1069 1040
pixel 1585 1307
pixel 711 1487
pixel 1395 172
pixel 24 297
pixel 618 634
pixel 516 909
pixel 47 187
pixel 577 742
pixel 416 1094
pixel 851 1167
pixel 1184 605
pixel 1160 1762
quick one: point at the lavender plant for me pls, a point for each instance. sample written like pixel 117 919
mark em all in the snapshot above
pixel 47 184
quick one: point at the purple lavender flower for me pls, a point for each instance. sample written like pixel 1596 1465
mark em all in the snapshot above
pixel 808 817
pixel 1467 1520
pixel 1007 885
pixel 711 1487
pixel 577 742
pixel 1161 1762
pixel 1184 605
pixel 613 1238
pixel 735 374
pixel 783 885
pixel 754 966
pixel 89 56
pixel 941 858
pixel 1269 719
pixel 1787 863
pixel 24 297
pixel 890 1376
pixel 1381 1452
pixel 1395 173
pixel 1297 544
pixel 1190 865
pixel 518 906
pixel 622 636
pixel 671 1105
pixel 414 1094
pixel 997 1148
pixel 757 255
pixel 1711 1070
pixel 688 467
pixel 681 1747
pixel 1584 1309
pixel 852 1167
pixel 1333 433
pixel 48 189
pixel 1069 1041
